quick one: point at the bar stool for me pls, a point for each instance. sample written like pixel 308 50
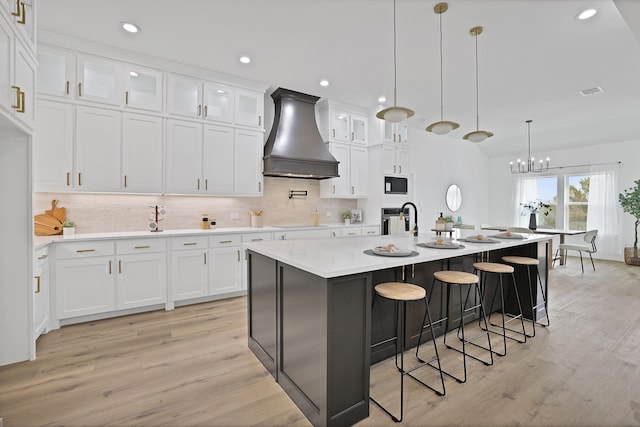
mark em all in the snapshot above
pixel 400 293
pixel 528 262
pixel 459 279
pixel 500 269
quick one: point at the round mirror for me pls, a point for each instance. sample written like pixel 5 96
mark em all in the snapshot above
pixel 454 197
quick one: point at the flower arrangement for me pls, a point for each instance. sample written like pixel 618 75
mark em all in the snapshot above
pixel 535 206
pixel 346 215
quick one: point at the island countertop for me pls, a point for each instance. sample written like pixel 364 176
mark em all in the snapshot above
pixel 329 258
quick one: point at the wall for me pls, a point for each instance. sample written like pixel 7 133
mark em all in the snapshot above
pixel 94 213
pixel 501 181
pixel 439 161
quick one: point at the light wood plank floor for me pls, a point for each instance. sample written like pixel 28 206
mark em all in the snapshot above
pixel 191 367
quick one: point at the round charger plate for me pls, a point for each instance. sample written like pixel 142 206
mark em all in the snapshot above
pixel 391 254
pixel 436 246
pixel 485 240
pixel 513 236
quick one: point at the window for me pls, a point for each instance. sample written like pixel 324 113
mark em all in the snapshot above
pixel 577 201
pixel 544 188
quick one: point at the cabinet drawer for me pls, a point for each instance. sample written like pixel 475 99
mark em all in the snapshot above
pixel 186 243
pixel 137 246
pixel 257 237
pixel 84 249
pixel 41 256
pixel 352 231
pixel 224 241
pixel 370 231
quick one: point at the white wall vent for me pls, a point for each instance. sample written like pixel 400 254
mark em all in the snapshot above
pixel 591 91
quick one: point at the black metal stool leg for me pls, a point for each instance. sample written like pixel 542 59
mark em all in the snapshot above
pixel 544 300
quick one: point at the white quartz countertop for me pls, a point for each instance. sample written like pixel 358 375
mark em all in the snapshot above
pixel 41 241
pixel 336 257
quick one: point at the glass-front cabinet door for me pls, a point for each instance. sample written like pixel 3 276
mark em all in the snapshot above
pixel 99 80
pixel 55 72
pixel 359 129
pixel 219 103
pixel 340 126
pixel 249 108
pixel 143 87
pixel 183 96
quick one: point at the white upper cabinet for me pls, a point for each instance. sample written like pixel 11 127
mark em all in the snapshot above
pixel 99 80
pixel 53 147
pixel 98 134
pixel 394 132
pixel 25 86
pixel 218 101
pixel 141 153
pixel 142 87
pixel 184 157
pixel 56 70
pixel 184 96
pixel 21 14
pixel 394 160
pixel 218 152
pixel 7 93
pixel 341 123
pixel 353 170
pixel 249 108
pixel 248 152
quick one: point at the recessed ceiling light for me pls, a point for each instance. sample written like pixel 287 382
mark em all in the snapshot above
pixel 133 74
pixel 220 91
pixel 245 59
pixel 586 14
pixel 382 99
pixel 129 27
pixel 324 82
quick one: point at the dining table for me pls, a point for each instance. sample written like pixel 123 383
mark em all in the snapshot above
pixel 549 231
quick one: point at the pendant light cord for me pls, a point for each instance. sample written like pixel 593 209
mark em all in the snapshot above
pixel 395 60
pixel 441 78
pixel 477 90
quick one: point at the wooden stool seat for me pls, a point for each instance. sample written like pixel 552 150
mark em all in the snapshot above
pixel 520 260
pixel 400 291
pixel 456 277
pixel 493 267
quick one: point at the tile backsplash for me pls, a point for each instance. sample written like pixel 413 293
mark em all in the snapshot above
pixel 96 213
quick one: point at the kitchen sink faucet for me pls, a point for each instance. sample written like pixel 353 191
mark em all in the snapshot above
pixel 414 230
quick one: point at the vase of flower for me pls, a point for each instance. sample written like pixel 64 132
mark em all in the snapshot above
pixel 532 208
pixel 532 222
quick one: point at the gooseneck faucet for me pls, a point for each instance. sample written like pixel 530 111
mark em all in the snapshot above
pixel 414 231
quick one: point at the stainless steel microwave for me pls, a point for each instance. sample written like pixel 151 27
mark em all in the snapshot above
pixel 395 185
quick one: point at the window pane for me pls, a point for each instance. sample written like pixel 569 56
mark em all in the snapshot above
pixel 578 189
pixel 545 189
pixel 577 217
pixel 577 201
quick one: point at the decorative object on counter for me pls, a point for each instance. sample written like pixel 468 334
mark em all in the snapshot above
pixel 50 222
pixel 442 127
pixel 532 208
pixel 157 215
pixel 68 228
pixel 530 165
pixel 356 216
pixel 477 135
pixel 346 216
pixel 453 197
pixel 440 222
pixel 448 223
pixel 316 218
pixel 256 218
pixel 630 201
pixel 213 224
pixel 297 194
pixel 205 223
pixel 394 114
pixel 459 220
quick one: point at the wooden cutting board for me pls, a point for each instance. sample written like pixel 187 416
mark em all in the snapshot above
pixel 59 213
pixel 46 225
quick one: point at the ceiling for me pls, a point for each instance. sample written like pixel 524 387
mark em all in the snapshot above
pixel 534 57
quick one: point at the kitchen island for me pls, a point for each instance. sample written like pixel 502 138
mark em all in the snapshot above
pixel 310 317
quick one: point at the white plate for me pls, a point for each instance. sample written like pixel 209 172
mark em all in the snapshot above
pixel 381 250
pixel 434 245
pixel 512 236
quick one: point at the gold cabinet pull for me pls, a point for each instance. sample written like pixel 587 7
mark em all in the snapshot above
pixel 259 186
pixel 259 120
pixel 206 184
pixel 17 12
pixel 333 132
pixel 225 241
pixel 126 97
pixel 189 244
pixel 43 256
pixel 334 189
pixel 205 258
pixel 394 168
pixel 109 267
pixel 199 110
pixel 23 19
pixel 22 102
pixel 18 92
pixel 142 247
pixel 206 113
pixel 38 284
pixel 85 250
pixel 352 136
pixel 238 255
pixel 399 168
pixel 79 178
pixel 125 181
pixel 198 183
pixel 353 190
pixel 67 87
pixel 119 266
pixel 79 89
pixel 68 178
pixel 257 240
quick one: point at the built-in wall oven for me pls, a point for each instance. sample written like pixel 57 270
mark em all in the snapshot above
pixel 391 221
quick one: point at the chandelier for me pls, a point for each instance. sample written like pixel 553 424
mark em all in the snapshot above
pixel 529 165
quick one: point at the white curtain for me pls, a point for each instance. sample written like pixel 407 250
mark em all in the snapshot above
pixel 603 213
pixel 525 189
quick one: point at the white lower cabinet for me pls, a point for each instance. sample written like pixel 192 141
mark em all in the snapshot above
pixel 189 268
pixel 142 273
pixel 40 291
pixel 225 274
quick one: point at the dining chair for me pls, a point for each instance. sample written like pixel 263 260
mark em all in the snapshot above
pixel 590 248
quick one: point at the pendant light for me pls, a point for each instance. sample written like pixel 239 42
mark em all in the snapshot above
pixel 394 114
pixel 530 165
pixel 477 135
pixel 442 127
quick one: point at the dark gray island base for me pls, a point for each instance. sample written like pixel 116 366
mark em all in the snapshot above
pixel 313 334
